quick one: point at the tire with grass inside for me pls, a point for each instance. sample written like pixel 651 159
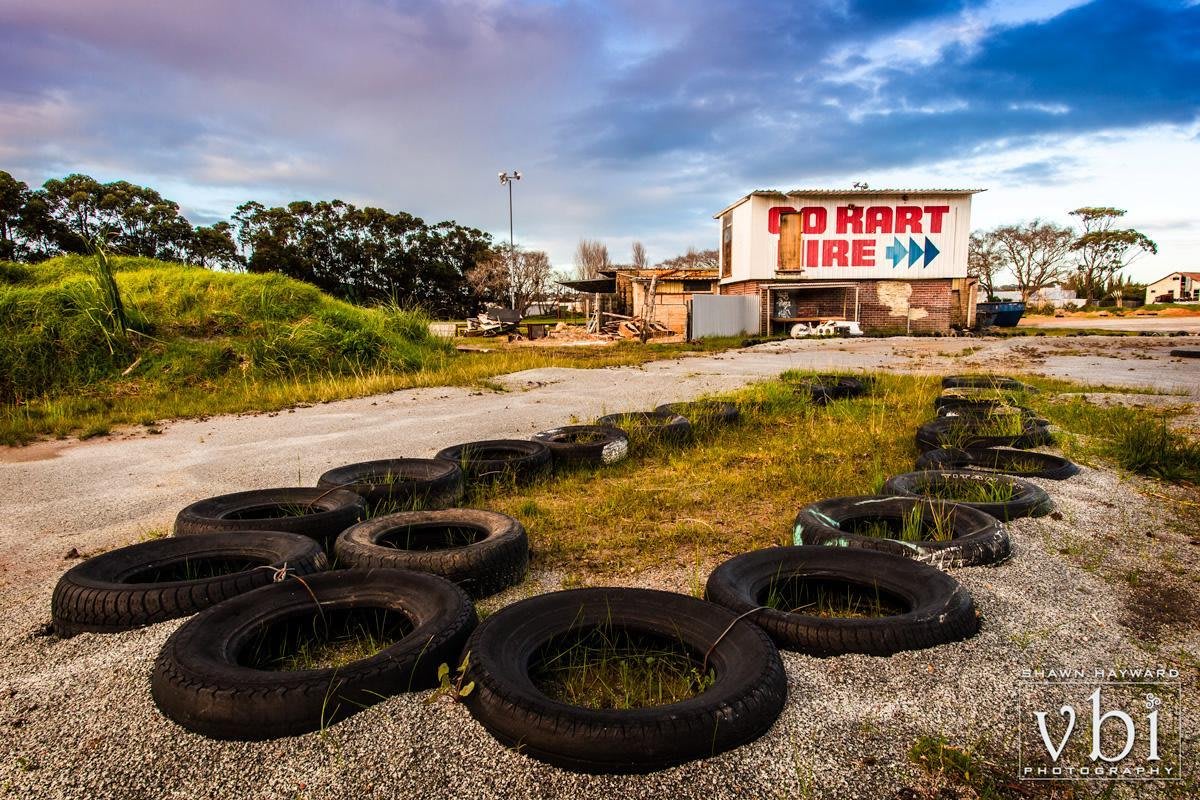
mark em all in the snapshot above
pixel 213 675
pixel 318 513
pixel 934 608
pixel 585 445
pixel 745 697
pixel 709 413
pixel 155 581
pixel 401 484
pixel 964 536
pixel 1021 463
pixel 946 403
pixel 1027 500
pixel 840 387
pixel 984 382
pixel 659 428
pixel 965 433
pixel 499 461
pixel 484 552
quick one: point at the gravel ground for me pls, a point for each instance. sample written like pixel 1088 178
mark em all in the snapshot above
pixel 78 721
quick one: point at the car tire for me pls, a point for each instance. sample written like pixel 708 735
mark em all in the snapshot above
pixel 977 538
pixel 499 461
pixel 742 703
pixel 939 609
pixel 201 680
pixel 669 429
pixel 496 557
pixel 402 484
pixel 125 588
pixel 330 511
pixel 585 445
pixel 1028 500
pixel 999 459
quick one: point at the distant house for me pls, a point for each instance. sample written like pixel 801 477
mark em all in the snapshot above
pixel 1057 296
pixel 1178 287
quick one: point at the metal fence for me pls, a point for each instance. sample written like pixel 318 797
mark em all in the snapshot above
pixel 723 315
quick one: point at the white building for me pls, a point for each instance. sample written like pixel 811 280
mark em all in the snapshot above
pixel 894 260
pixel 1175 288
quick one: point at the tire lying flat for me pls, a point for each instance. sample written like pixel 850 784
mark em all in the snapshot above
pixel 128 588
pixel 1000 459
pixel 201 680
pixel 702 412
pixel 408 484
pixel 1185 353
pixel 841 387
pixel 659 428
pixel 977 539
pixel 945 432
pixel 940 610
pixel 1028 500
pixel 741 704
pixel 984 382
pixel 496 557
pixel 326 513
pixel 499 461
pixel 585 445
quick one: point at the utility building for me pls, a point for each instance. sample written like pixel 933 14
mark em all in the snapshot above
pixel 893 260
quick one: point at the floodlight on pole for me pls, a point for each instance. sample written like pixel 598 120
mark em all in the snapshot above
pixel 506 179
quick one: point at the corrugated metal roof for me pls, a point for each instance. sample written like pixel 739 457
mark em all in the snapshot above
pixel 844 192
pixel 594 286
pixel 831 192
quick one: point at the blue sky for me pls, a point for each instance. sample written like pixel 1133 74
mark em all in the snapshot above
pixel 629 120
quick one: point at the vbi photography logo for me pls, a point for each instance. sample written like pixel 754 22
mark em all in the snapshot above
pixel 1102 724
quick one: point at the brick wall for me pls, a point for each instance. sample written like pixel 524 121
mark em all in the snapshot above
pixel 884 306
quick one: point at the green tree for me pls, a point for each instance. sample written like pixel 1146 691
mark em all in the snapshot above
pixel 213 246
pixel 13 196
pixel 1102 249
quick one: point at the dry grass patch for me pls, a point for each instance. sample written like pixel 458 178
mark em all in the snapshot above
pixel 736 489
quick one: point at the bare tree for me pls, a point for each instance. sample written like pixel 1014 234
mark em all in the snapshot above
pixel 591 257
pixel 639 256
pixel 1034 252
pixel 693 259
pixel 1103 250
pixel 984 260
pixel 513 275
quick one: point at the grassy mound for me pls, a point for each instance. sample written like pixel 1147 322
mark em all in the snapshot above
pixel 190 329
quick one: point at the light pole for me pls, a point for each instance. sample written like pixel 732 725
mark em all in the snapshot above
pixel 505 178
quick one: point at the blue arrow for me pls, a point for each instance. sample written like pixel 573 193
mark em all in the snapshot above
pixel 930 252
pixel 895 252
pixel 914 251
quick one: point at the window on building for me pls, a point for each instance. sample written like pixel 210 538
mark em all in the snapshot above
pixel 727 246
pixel 697 286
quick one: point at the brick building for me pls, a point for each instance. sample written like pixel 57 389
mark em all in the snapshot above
pixel 894 260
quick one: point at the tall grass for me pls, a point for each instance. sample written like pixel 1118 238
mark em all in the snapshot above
pixel 1136 439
